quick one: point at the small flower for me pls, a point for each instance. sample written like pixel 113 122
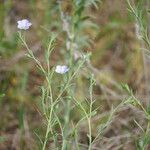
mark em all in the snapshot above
pixel 61 69
pixel 24 24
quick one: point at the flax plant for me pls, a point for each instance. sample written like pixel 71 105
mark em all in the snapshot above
pixel 140 13
pixel 48 102
pixel 142 32
pixel 143 142
pixel 57 106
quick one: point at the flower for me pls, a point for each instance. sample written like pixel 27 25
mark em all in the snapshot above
pixel 61 69
pixel 24 24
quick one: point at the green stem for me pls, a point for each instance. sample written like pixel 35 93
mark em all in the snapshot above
pixel 48 129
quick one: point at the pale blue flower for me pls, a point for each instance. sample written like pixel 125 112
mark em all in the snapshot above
pixel 24 24
pixel 61 69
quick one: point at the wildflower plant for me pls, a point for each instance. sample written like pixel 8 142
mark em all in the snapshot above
pixel 49 104
pixel 58 106
pixel 143 142
pixel 140 13
pixel 142 32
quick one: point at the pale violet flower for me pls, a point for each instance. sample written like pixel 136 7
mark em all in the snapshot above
pixel 61 69
pixel 24 24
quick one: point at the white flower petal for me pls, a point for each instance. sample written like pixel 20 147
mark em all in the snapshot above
pixel 24 24
pixel 61 69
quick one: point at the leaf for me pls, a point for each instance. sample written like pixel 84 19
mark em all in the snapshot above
pixel 148 109
pixel 126 88
pixel 139 144
pixel 85 18
pixel 146 140
pixel 139 126
pixel 131 101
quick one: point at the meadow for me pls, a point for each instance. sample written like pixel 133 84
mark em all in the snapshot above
pixel 74 75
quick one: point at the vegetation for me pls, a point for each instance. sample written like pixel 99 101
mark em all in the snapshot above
pixel 74 75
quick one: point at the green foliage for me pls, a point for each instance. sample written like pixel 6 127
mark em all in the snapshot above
pixel 126 88
pixel 140 14
pixel 144 140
